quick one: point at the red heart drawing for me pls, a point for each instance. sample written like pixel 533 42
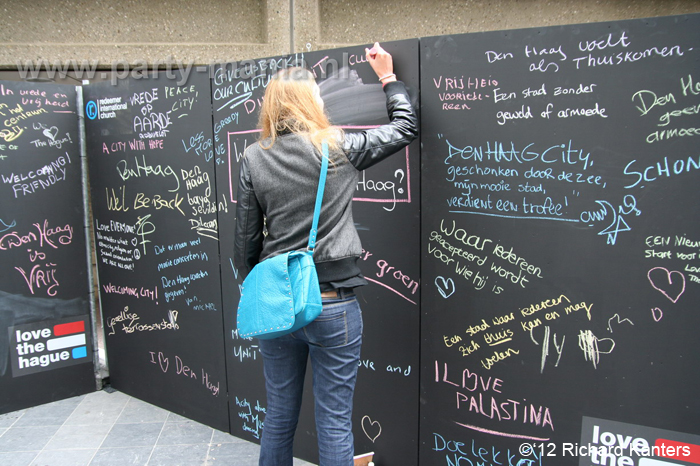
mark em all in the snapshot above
pixel 663 281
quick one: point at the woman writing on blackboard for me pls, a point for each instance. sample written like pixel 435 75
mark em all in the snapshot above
pixel 277 189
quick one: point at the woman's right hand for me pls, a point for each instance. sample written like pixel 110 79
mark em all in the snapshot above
pixel 381 62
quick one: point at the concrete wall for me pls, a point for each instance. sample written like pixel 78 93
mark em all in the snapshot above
pixel 206 31
pixel 360 21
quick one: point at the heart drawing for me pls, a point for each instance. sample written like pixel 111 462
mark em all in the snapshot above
pixel 164 363
pixel 51 132
pixel 670 283
pixel 445 287
pixel 369 427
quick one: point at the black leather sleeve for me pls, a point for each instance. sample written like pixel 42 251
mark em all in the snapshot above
pixel 362 149
pixel 369 147
pixel 248 242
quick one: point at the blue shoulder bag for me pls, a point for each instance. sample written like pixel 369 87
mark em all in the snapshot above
pixel 281 294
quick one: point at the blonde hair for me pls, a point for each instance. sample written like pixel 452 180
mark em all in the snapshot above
pixel 289 106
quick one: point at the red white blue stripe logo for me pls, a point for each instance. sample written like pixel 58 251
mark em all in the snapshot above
pixel 48 345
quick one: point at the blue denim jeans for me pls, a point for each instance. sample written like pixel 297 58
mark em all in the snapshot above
pixel 332 342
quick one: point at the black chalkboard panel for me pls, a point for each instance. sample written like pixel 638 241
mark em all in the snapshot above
pixel 560 240
pixel 386 212
pixel 45 331
pixel 153 195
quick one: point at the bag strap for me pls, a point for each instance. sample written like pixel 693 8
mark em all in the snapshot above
pixel 319 198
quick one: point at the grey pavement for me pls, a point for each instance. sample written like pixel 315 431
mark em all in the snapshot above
pixel 109 428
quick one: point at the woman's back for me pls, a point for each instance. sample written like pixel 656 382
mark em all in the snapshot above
pixel 285 179
pixel 277 190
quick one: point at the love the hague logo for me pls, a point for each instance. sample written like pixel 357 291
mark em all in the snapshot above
pixel 43 346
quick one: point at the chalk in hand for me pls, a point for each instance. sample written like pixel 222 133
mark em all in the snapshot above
pixel 372 53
